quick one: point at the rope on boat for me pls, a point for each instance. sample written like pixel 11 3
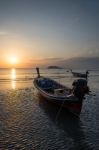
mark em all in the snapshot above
pixel 58 113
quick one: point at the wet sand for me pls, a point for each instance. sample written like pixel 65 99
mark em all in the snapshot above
pixel 27 122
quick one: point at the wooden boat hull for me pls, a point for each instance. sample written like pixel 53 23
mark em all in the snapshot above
pixel 72 103
pixel 74 107
pixel 79 75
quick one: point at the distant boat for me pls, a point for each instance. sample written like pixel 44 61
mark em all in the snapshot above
pixel 81 75
pixel 61 95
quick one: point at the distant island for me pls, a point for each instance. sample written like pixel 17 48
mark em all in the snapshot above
pixel 54 67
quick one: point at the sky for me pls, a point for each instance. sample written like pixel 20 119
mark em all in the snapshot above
pixel 36 30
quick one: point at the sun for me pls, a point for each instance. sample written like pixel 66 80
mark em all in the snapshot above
pixel 13 60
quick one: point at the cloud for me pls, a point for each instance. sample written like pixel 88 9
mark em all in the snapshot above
pixel 94 52
pixel 52 59
pixel 3 33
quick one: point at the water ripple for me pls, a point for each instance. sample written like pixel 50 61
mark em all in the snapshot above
pixel 29 123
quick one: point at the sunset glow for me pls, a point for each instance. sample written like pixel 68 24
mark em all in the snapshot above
pixel 13 60
pixel 13 78
pixel 35 33
pixel 13 74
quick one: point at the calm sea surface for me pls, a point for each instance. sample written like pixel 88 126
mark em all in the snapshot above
pixel 30 123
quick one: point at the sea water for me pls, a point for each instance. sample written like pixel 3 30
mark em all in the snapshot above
pixel 28 122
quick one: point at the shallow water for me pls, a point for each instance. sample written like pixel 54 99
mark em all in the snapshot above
pixel 27 122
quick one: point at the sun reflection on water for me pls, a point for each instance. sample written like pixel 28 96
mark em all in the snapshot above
pixel 13 78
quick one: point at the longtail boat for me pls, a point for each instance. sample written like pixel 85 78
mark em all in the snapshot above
pixel 61 95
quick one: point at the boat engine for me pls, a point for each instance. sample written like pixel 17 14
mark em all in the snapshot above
pixel 80 88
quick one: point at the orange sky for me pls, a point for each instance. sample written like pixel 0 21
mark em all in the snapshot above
pixel 35 30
